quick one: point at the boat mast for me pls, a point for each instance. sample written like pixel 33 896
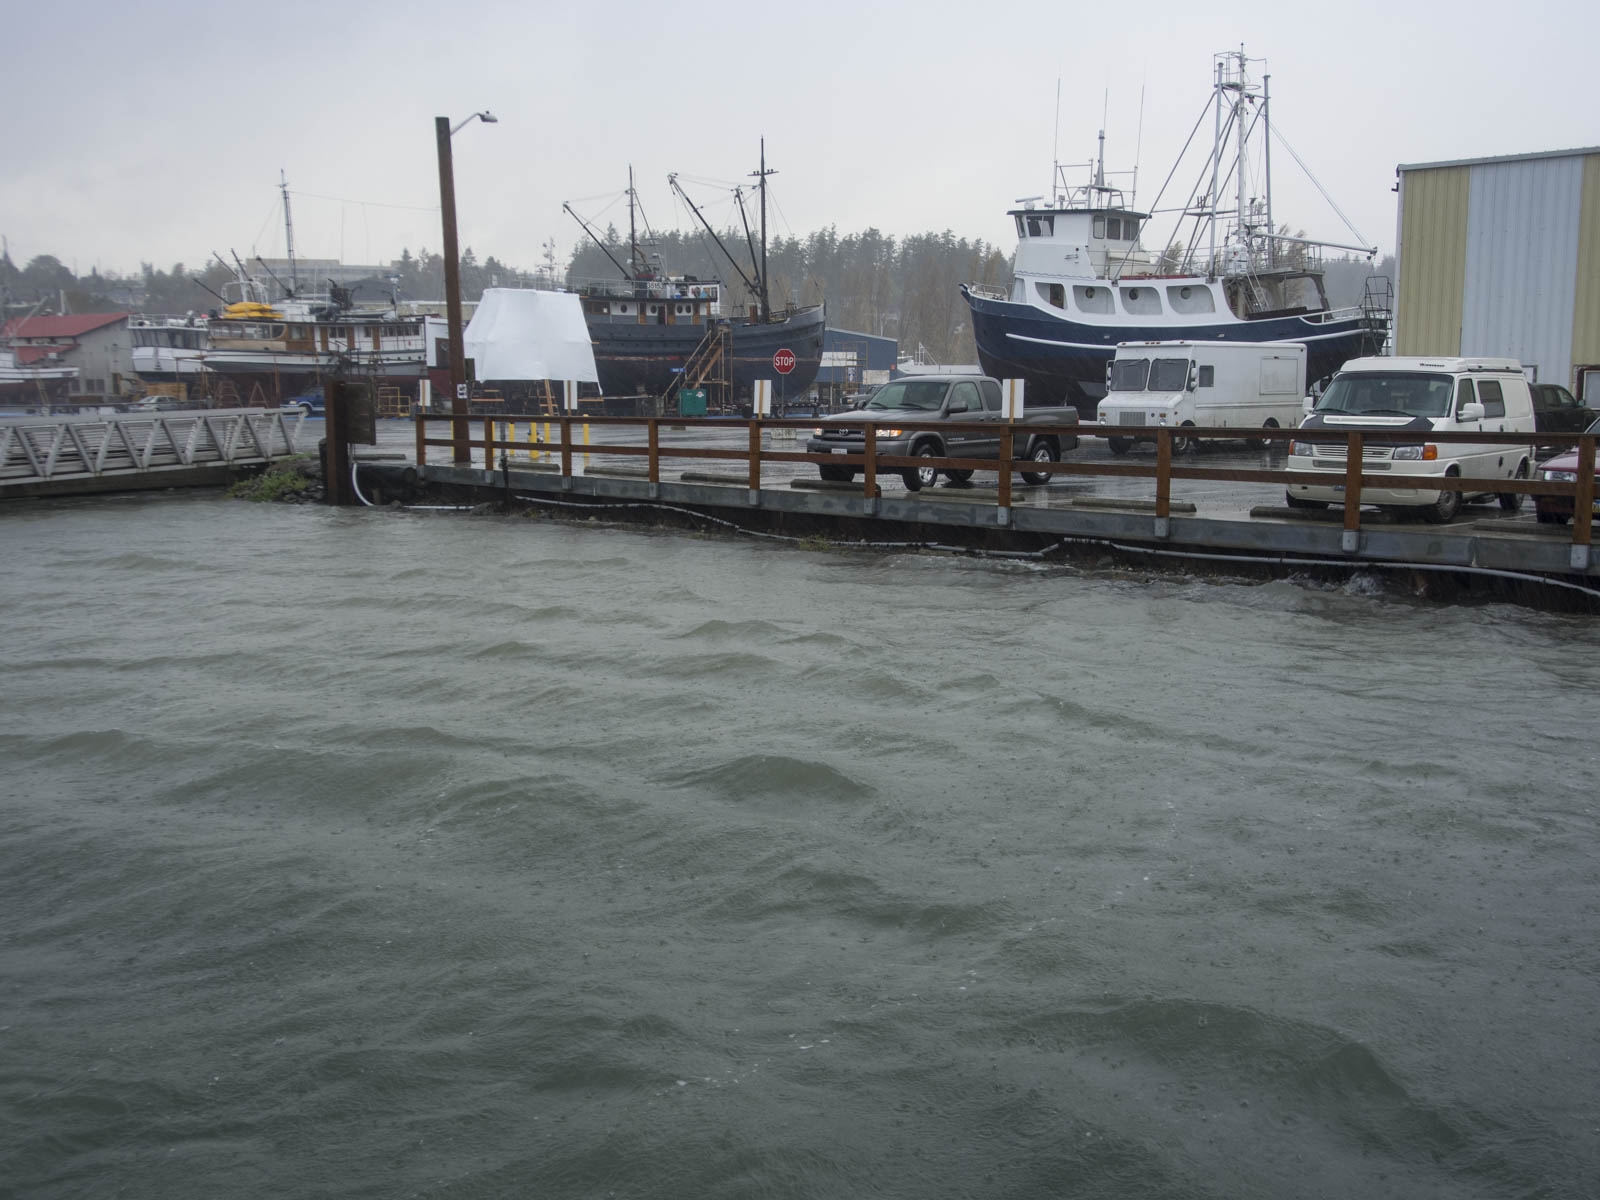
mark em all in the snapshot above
pixel 1266 121
pixel 1239 117
pixel 633 233
pixel 766 300
pixel 1216 162
pixel 288 231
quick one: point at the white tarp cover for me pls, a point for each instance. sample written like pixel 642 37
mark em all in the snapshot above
pixel 520 335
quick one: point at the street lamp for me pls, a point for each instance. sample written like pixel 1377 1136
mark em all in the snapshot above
pixel 462 452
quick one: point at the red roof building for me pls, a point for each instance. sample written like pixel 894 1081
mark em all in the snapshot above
pixel 98 344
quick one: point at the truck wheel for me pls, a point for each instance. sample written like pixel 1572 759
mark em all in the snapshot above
pixel 836 474
pixel 1551 518
pixel 1185 445
pixel 1119 446
pixel 1043 451
pixel 958 476
pixel 1512 501
pixel 1445 507
pixel 918 478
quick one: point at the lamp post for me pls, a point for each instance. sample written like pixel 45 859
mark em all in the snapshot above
pixel 461 451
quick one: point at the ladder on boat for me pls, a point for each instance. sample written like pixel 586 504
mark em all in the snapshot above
pixel 1377 312
pixel 710 367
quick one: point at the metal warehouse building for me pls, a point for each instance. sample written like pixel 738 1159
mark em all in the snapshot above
pixel 851 360
pixel 1501 256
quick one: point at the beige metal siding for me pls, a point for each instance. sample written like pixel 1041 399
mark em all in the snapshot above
pixel 1433 261
pixel 1586 306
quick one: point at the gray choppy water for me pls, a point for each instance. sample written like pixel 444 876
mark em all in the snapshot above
pixel 378 854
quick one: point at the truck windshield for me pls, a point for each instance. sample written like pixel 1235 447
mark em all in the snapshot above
pixel 1169 375
pixel 918 395
pixel 1388 393
pixel 1129 374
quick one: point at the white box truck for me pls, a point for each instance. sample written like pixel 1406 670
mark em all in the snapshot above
pixel 1246 385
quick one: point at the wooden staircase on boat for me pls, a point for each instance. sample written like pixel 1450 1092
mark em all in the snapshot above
pixel 710 367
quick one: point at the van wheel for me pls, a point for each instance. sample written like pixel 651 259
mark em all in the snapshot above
pixel 1512 501
pixel 836 474
pixel 1294 501
pixel 1445 507
pixel 1552 518
pixel 1044 451
pixel 918 478
pixel 1119 446
pixel 958 476
pixel 1185 445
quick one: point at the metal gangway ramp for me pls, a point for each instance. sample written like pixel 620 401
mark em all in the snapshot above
pixel 66 455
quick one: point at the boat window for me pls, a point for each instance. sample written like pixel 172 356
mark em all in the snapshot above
pixel 1142 301
pixel 1022 228
pixel 1489 395
pixel 1129 374
pixel 1099 227
pixel 1092 299
pixel 1207 375
pixel 1114 228
pixel 1188 298
pixel 1053 294
pixel 1130 229
pixel 1169 375
pixel 1041 226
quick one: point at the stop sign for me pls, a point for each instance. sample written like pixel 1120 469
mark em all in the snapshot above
pixel 783 361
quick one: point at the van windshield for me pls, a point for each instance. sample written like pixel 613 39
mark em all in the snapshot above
pixel 1146 374
pixel 1389 394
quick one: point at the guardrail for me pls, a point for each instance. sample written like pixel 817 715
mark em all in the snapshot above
pixel 41 449
pixel 1162 472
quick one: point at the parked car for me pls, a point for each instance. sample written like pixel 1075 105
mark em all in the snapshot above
pixel 309 404
pixel 964 399
pixel 1424 395
pixel 1556 410
pixel 1563 468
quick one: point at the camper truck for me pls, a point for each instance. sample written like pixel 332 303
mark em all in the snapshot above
pixel 1245 385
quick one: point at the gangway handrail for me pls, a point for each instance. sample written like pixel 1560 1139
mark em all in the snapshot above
pixel 40 449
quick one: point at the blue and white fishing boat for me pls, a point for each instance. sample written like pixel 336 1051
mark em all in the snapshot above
pixel 1084 281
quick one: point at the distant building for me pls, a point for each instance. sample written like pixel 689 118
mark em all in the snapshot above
pixel 852 361
pixel 1501 256
pixel 97 344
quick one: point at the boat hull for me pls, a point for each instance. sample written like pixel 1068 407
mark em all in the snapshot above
pixel 647 360
pixel 1064 361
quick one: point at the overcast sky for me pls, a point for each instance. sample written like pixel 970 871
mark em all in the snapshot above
pixel 156 131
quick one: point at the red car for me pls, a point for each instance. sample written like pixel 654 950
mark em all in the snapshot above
pixel 1563 468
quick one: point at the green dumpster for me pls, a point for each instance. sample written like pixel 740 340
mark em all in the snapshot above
pixel 692 402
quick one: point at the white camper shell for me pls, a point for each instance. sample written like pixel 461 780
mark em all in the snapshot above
pixel 1244 385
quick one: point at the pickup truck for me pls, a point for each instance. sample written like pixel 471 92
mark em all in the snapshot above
pixel 959 399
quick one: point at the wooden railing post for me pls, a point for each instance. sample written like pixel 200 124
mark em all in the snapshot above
pixel 869 461
pixel 755 456
pixel 566 447
pixel 1354 456
pixel 1583 504
pixel 422 440
pixel 1007 446
pixel 655 450
pixel 1163 473
pixel 488 443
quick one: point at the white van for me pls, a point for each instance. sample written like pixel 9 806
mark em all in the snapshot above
pixel 1427 395
pixel 1250 385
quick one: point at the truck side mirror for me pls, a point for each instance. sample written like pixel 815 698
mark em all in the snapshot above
pixel 1471 412
pixel 1109 363
pixel 1194 378
pixel 1309 404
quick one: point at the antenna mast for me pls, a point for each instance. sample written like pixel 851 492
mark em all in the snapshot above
pixel 766 299
pixel 288 231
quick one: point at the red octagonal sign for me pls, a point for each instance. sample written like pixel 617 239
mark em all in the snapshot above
pixel 783 361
